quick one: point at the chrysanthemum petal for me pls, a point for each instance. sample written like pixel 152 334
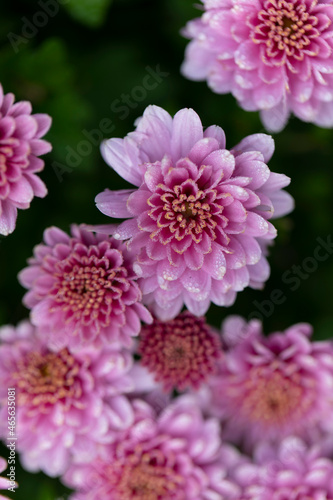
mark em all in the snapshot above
pixel 186 131
pixel 114 203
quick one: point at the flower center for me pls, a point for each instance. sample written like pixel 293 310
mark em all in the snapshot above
pixel 180 353
pixel 286 28
pixel 148 476
pixel 275 398
pixel 186 211
pixel 289 24
pixel 189 209
pixel 176 353
pixel 88 287
pixel 45 379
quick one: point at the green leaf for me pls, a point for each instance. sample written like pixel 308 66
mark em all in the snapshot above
pixel 89 12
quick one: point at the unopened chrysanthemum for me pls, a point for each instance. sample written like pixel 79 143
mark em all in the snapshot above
pixel 176 455
pixel 82 289
pixel 180 353
pixel 5 482
pixel 65 402
pixel 272 387
pixel 20 145
pixel 292 471
pixel 275 56
pixel 198 218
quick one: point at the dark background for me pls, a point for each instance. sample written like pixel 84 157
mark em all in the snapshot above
pixel 75 67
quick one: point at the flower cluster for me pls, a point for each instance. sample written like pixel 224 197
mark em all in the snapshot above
pixel 275 56
pixel 98 368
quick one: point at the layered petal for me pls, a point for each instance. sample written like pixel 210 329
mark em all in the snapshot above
pixel 196 219
pixel 20 144
pixel 273 57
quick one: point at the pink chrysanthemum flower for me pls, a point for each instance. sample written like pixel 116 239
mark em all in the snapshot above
pixel 290 472
pixel 272 387
pixel 83 289
pixel 198 218
pixel 65 402
pixel 20 144
pixel 180 353
pixel 5 483
pixel 176 455
pixel 272 55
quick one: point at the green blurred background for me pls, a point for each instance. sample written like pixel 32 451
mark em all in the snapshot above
pixel 77 66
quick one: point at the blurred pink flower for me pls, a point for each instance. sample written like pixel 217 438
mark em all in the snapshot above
pixel 180 353
pixel 5 483
pixel 292 471
pixel 20 144
pixel 65 402
pixel 198 219
pixel 272 55
pixel 174 455
pixel 83 290
pixel 272 387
